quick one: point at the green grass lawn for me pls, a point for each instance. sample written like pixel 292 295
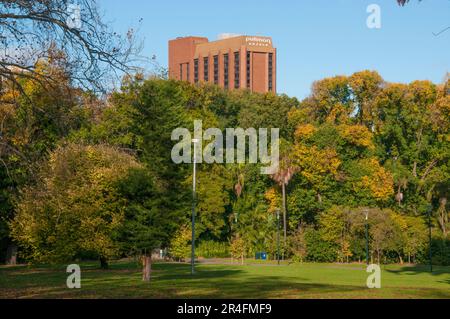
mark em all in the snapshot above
pixel 254 280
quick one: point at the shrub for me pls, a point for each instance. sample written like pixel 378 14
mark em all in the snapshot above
pixel 179 246
pixel 441 251
pixel 318 249
pixel 237 249
pixel 298 246
pixel 212 249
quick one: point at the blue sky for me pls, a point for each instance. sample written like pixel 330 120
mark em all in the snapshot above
pixel 314 38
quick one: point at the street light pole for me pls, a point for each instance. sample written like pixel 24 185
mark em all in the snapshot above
pixel 367 235
pixel 278 236
pixel 430 256
pixel 194 203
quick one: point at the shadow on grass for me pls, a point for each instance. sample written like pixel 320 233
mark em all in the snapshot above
pixel 420 269
pixel 239 284
pixel 423 269
pixel 123 280
pixel 168 281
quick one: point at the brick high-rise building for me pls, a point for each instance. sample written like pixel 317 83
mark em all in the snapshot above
pixel 240 62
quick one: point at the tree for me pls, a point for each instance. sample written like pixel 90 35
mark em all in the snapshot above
pixel 413 143
pixel 249 213
pixel 213 198
pixel 403 2
pixel 238 249
pixel 74 208
pixel 32 123
pixel 415 237
pixel 179 245
pixel 365 86
pixel 298 245
pixel 140 119
pixel 316 160
pixel 284 175
pixel 370 180
pixel 93 52
pixel 330 100
pixel 263 110
pixel 238 173
pixel 335 227
pixel 151 219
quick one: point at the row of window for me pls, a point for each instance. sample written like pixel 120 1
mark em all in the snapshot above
pixel 206 69
pixel 237 70
pixel 249 60
pixel 270 71
pixel 216 69
pixel 226 65
pixel 196 70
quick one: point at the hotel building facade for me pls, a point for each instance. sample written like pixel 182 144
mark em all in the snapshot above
pixel 240 62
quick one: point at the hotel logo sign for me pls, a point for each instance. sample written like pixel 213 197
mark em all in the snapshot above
pixel 257 41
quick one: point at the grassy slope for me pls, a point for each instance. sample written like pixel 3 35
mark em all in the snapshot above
pixel 226 281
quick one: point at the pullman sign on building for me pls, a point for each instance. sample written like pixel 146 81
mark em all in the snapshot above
pixel 240 62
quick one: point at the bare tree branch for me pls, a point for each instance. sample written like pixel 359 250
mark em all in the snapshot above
pixel 94 54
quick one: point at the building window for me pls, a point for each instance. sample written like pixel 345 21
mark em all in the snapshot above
pixel 225 70
pixel 182 78
pixel 216 69
pixel 270 71
pixel 206 69
pixel 237 69
pixel 196 70
pixel 249 56
pixel 188 71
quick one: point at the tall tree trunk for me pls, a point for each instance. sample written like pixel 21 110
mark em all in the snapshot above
pixel 146 268
pixel 284 217
pixel 399 196
pixel 11 255
pixel 443 215
pixel 104 263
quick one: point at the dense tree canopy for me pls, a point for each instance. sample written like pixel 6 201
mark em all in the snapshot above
pixel 356 143
pixel 75 206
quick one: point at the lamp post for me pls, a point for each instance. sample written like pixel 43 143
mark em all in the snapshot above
pixel 430 256
pixel 366 211
pixel 278 236
pixel 194 203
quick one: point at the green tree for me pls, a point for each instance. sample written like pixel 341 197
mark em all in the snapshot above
pixel 33 120
pixel 238 249
pixel 179 245
pixel 150 218
pixel 213 198
pixel 365 86
pixel 74 207
pixel 283 177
